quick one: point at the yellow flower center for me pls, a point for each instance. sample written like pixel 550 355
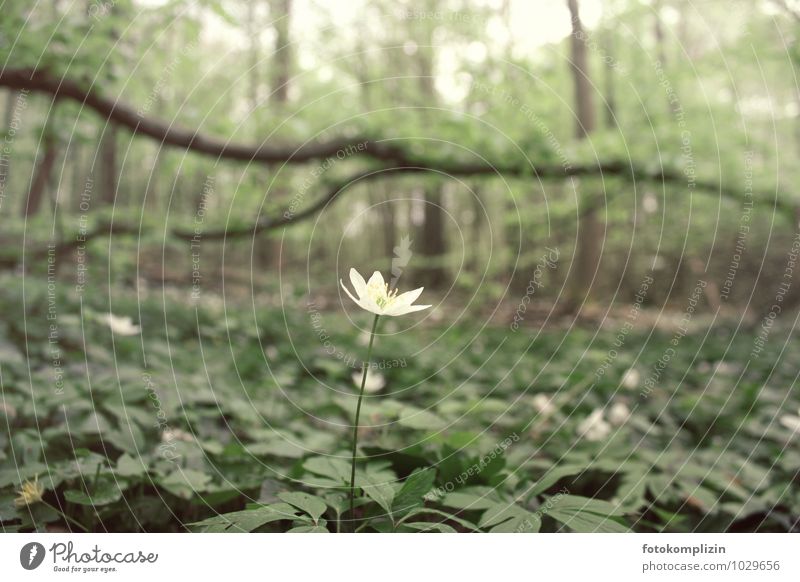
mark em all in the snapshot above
pixel 30 493
pixel 381 295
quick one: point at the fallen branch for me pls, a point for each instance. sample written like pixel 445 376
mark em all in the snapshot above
pixel 126 116
pixel 398 160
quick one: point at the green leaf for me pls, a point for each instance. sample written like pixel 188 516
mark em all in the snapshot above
pixel 419 419
pixel 430 511
pixel 553 476
pixel 576 504
pixel 337 470
pixel 105 492
pixel 424 526
pixel 313 506
pixel 377 488
pixel 185 483
pixel 471 498
pixel 509 518
pixel 128 466
pixel 309 529
pixel 585 515
pixel 247 520
pixel 587 522
pixel 411 494
pixel 8 510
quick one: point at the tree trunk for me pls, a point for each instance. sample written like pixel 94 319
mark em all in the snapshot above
pixel 283 51
pixel 434 244
pixel 267 253
pixel 590 231
pixel 611 94
pixel 41 178
pixel 107 160
pixel 5 160
pixel 658 30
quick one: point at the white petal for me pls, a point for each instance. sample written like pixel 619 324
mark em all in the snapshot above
pixel 346 290
pixel 408 297
pixel 790 422
pixel 396 310
pixel 359 285
pixel 377 280
pixel 371 306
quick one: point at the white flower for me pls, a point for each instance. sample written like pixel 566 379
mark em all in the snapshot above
pixel 375 381
pixel 271 352
pixel 630 379
pixel 8 411
pixel 593 427
pixel 619 414
pixel 121 325
pixel 176 434
pixel 544 404
pixel 376 297
pixel 791 422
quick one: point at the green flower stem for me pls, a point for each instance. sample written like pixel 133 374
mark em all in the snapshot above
pixel 358 415
pixel 67 518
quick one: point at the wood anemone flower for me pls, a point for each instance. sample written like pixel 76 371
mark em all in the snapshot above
pixel 31 492
pixel 376 297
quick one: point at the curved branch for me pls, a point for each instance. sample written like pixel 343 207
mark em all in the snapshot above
pixel 614 169
pixel 128 117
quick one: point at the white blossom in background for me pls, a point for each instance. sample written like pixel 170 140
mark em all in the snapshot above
pixel 8 411
pixel 703 367
pixel 176 434
pixel 619 414
pixel 121 325
pixel 271 352
pixel 374 383
pixel 630 379
pixel 543 404
pixel 791 422
pixel 594 427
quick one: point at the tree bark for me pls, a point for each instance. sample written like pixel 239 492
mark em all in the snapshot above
pixel 434 245
pixel 590 231
pixel 41 178
pixel 107 160
pixel 5 159
pixel 283 51
pixel 611 94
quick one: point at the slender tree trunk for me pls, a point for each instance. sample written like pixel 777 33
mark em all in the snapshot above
pixel 283 50
pixel 434 244
pixel 253 27
pixel 268 250
pixel 611 94
pixel 41 178
pixel 658 30
pixel 151 192
pixel 107 159
pixel 5 160
pixel 590 231
pixel 478 211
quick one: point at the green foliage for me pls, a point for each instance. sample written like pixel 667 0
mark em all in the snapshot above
pixel 161 446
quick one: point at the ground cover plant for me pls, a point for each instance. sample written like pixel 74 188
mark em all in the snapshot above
pixel 499 440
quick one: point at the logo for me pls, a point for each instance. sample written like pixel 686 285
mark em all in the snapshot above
pixel 31 555
pixel 401 258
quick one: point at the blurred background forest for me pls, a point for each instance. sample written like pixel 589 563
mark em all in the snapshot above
pixel 606 185
pixel 516 126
